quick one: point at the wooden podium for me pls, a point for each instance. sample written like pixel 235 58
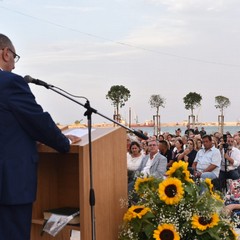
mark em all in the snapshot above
pixel 64 181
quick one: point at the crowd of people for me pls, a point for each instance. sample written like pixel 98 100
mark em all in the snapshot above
pixel 215 156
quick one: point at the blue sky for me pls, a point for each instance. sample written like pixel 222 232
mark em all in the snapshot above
pixel 166 47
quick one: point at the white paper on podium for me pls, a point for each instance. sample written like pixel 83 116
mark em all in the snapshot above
pixel 79 132
pixel 75 235
pixel 57 222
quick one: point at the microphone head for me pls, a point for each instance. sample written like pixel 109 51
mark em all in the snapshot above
pixel 28 79
pixel 140 135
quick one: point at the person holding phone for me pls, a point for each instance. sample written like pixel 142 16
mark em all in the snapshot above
pixel 189 153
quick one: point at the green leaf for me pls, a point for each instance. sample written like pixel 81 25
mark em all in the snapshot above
pixel 214 235
pixel 148 230
pixel 136 224
pixel 148 215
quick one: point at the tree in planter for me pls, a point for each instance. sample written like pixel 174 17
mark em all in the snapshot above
pixel 78 121
pixel 191 101
pixel 221 103
pixel 156 101
pixel 118 94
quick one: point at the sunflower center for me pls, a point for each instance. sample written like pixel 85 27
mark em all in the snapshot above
pixel 138 210
pixel 166 235
pixel 171 190
pixel 204 221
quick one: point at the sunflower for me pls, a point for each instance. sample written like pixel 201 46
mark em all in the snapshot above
pixel 139 181
pixel 177 165
pixel 180 169
pixel 166 232
pixel 208 181
pixel 171 191
pixel 135 212
pixel 216 196
pixel 187 176
pixel 202 223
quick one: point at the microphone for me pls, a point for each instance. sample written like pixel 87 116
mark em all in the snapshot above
pixel 29 79
pixel 140 135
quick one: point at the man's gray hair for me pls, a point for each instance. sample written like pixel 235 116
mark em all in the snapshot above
pixel 4 41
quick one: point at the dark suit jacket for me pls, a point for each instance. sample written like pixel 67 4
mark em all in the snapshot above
pixel 22 123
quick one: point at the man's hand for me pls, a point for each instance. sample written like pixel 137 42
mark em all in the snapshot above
pixel 73 139
pixel 194 166
pixel 197 174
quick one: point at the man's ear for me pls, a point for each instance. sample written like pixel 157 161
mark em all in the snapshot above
pixel 5 54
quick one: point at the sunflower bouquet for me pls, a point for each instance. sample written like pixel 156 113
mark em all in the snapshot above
pixel 176 208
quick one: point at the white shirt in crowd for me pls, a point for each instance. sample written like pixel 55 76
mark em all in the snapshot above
pixel 234 153
pixel 205 158
pixel 133 163
pixel 146 169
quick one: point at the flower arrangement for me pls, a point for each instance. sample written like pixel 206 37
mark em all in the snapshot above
pixel 176 208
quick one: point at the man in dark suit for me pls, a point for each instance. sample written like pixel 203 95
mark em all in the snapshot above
pixel 22 124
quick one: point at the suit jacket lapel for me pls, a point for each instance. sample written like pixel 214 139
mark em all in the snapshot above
pixel 155 160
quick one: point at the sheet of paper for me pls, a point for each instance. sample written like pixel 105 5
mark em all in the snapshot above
pixel 79 132
pixel 75 235
pixel 56 223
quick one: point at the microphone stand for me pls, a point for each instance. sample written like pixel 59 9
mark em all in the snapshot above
pixel 88 113
pixel 225 168
pixel 224 151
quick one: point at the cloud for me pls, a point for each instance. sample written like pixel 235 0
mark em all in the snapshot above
pixel 74 8
pixel 72 51
pixel 196 6
pixel 167 32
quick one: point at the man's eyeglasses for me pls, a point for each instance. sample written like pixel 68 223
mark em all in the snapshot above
pixel 15 56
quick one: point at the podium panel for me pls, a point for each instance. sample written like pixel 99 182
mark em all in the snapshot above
pixel 64 181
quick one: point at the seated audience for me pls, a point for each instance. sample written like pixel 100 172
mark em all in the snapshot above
pixel 171 141
pixel 229 164
pixel 188 130
pixel 184 140
pixel 134 159
pixel 208 160
pixel 164 149
pixel 178 132
pixel 189 153
pixel 202 132
pixel 128 143
pixel 176 152
pixel 144 147
pixel 160 137
pixel 237 141
pixel 198 145
pixel 154 164
pixel 196 131
pixel 214 142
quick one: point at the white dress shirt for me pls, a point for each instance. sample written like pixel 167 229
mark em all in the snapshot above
pixel 234 153
pixel 205 158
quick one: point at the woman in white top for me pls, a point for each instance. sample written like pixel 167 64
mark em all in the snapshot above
pixel 134 159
